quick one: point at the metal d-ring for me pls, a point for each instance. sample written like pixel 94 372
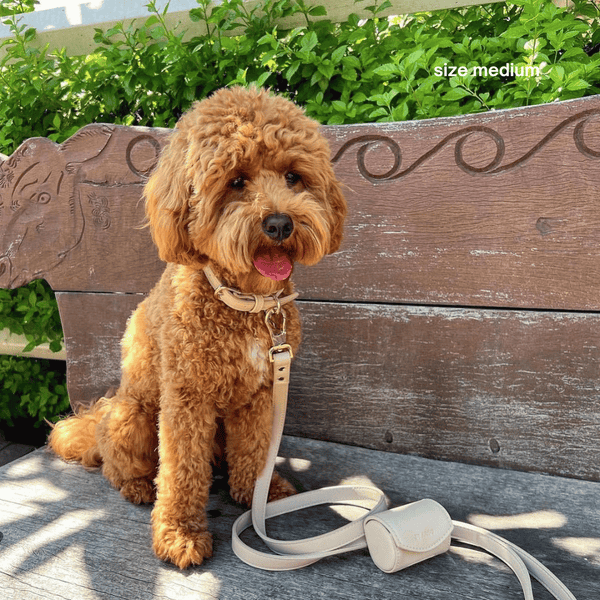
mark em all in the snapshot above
pixel 278 333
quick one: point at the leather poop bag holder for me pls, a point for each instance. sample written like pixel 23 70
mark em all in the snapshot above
pixel 396 538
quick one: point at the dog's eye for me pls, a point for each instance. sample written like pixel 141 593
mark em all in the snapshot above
pixel 292 179
pixel 238 183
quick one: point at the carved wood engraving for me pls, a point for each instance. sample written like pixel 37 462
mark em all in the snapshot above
pixel 461 138
pixel 58 204
pixel 100 211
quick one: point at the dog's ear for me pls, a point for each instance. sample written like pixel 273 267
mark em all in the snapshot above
pixel 167 195
pixel 337 214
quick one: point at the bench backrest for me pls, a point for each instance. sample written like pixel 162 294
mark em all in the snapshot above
pixel 459 320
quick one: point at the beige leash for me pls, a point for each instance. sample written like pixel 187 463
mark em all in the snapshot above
pixel 396 538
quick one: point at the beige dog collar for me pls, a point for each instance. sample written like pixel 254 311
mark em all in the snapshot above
pixel 252 303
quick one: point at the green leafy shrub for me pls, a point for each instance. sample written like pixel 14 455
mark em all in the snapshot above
pixel 31 389
pixel 32 311
pixel 355 71
pixel 379 69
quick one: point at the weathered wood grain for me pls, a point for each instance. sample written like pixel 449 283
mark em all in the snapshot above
pixel 514 389
pixel 68 535
pixel 495 210
pixel 498 209
pixel 93 325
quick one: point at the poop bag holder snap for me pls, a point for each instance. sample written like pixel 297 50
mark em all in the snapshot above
pixel 396 538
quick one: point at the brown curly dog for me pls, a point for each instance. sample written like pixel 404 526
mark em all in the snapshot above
pixel 246 188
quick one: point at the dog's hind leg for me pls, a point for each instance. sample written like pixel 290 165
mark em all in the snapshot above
pixel 118 436
pixel 128 443
pixel 127 435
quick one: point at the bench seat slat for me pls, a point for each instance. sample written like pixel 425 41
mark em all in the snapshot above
pixel 68 533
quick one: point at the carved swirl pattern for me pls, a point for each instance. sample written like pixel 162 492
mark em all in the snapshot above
pixel 460 139
pixel 142 162
pixel 100 210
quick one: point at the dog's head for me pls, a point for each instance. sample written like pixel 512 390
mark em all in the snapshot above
pixel 247 183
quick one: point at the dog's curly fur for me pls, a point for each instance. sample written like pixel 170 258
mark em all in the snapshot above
pixel 191 364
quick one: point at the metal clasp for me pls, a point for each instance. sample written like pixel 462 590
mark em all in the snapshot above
pixel 277 330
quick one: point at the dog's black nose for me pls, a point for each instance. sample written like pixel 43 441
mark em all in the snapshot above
pixel 278 227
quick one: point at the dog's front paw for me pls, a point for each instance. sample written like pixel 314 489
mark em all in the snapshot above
pixel 280 488
pixel 139 491
pixel 181 546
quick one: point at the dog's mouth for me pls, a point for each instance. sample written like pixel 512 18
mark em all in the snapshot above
pixel 273 263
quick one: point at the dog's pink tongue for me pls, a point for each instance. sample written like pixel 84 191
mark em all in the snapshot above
pixel 273 264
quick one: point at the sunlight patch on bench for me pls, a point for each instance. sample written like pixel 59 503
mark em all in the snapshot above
pixel 541 519
pixel 298 465
pixel 588 548
pixel 478 557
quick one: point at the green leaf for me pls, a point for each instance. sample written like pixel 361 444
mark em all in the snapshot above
pixel 351 61
pixel 29 347
pixel 268 38
pixel 309 41
pixel 577 84
pixel 349 74
pixel 30 34
pixel 515 32
pixel 326 69
pixel 318 11
pixel 455 94
pixel 337 55
pixel 387 70
pixel 335 119
pixel 413 57
pixel 292 70
pixel 153 20
pixel 400 112
pixel 263 78
pixel 378 112
pixel 557 73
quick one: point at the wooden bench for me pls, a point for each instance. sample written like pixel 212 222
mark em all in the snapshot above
pixel 450 351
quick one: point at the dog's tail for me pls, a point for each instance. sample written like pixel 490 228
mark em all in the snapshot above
pixel 74 438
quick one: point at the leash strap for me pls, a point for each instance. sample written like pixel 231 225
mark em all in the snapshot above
pixel 396 538
pixel 386 528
